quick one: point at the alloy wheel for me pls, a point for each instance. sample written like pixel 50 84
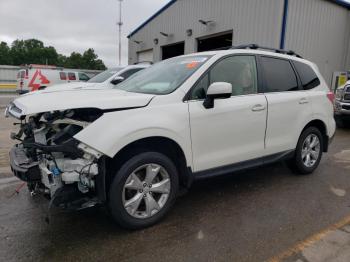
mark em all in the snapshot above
pixel 310 150
pixel 146 190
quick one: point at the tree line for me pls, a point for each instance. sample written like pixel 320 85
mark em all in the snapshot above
pixel 33 51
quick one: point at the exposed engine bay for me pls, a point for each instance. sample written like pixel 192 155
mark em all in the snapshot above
pixel 53 162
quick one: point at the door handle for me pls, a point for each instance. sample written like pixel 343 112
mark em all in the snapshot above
pixel 258 107
pixel 303 100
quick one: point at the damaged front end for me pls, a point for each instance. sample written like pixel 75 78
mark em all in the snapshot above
pixel 54 163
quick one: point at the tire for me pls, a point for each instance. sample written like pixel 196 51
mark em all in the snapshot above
pixel 143 212
pixel 299 162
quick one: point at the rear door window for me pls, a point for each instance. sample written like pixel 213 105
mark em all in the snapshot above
pixel 279 75
pixel 130 72
pixel 63 76
pixel 71 76
pixel 307 75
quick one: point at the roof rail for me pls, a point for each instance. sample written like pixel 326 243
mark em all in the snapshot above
pixel 276 50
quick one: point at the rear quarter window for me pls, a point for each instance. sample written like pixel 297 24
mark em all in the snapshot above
pixel 63 76
pixel 307 75
pixel 279 75
pixel 130 72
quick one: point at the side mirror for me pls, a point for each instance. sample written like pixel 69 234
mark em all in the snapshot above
pixel 217 90
pixel 117 80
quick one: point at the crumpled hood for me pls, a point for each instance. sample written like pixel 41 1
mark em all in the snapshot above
pixel 46 100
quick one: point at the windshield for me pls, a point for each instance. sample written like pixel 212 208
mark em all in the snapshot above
pixel 101 77
pixel 163 77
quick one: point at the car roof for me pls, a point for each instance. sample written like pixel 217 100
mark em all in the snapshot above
pixel 116 68
pixel 123 68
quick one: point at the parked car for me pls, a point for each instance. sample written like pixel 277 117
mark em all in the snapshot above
pixel 38 77
pixel 105 79
pixel 342 105
pixel 134 146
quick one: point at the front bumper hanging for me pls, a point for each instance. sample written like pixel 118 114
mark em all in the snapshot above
pixel 67 196
pixel 23 167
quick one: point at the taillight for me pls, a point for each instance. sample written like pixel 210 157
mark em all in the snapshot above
pixel 331 96
pixel 21 84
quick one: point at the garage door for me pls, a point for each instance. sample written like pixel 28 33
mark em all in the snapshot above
pixel 144 56
pixel 173 50
pixel 214 42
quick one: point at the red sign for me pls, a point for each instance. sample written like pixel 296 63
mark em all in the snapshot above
pixel 38 80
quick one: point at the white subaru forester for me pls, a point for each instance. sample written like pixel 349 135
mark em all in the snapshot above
pixel 186 118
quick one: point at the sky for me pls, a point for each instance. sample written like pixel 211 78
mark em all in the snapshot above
pixel 75 25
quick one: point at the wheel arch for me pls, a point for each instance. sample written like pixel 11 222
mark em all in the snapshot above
pixel 161 144
pixel 320 125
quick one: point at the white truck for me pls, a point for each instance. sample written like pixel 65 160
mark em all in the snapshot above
pixel 37 77
pixel 342 105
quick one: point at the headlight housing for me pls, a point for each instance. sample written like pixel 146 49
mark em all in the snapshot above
pixel 13 110
pixel 339 94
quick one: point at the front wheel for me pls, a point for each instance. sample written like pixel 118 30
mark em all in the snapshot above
pixel 143 190
pixel 308 152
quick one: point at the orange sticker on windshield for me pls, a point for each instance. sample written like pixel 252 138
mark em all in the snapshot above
pixel 192 65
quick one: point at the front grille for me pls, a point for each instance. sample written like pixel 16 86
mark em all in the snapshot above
pixel 346 107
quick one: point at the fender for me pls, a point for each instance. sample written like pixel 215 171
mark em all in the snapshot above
pixel 115 130
pixel 315 117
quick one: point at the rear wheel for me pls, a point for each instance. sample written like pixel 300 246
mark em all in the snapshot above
pixel 143 190
pixel 308 153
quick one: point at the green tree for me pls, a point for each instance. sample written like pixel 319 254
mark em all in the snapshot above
pixel 91 60
pixel 61 60
pixel 75 60
pixel 5 58
pixel 87 60
pixel 33 51
pixel 18 53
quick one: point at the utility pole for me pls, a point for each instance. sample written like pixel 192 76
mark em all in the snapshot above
pixel 120 23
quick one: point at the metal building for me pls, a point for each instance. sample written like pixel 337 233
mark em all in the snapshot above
pixel 319 30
